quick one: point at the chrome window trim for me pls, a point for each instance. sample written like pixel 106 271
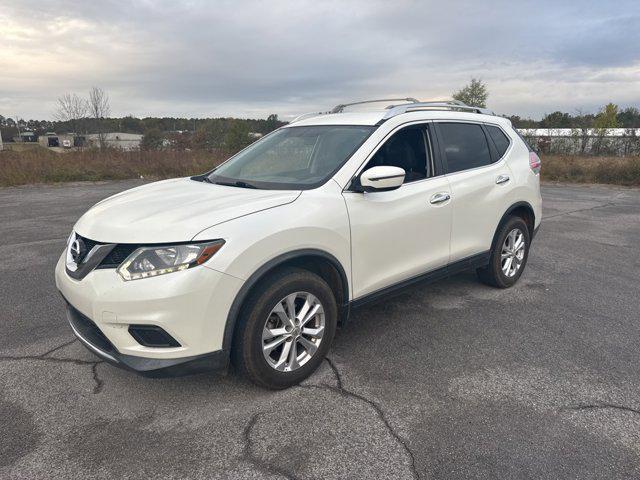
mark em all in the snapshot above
pixel 382 142
pixel 501 160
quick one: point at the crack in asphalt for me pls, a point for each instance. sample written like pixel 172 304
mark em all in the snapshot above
pixel 59 347
pixel 339 388
pixel 596 406
pixel 608 204
pixel 44 357
pixel 96 378
pixel 247 453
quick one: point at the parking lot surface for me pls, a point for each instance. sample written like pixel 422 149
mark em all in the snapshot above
pixel 447 380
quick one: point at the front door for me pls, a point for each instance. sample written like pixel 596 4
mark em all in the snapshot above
pixel 403 233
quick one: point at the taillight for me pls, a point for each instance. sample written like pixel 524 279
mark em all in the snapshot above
pixel 534 162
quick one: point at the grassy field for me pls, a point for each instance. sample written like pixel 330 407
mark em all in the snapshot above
pixel 44 166
pixel 39 165
pixel 611 170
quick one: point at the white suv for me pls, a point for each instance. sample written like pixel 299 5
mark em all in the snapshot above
pixel 260 259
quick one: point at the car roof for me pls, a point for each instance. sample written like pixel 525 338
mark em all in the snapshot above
pixel 375 117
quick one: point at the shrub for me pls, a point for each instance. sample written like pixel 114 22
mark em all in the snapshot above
pixel 613 170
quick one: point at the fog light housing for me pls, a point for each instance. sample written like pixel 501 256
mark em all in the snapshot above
pixel 152 336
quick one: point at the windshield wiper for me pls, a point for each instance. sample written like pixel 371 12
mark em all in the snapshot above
pixel 238 183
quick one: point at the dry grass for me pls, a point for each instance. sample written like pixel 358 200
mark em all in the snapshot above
pixel 612 170
pixel 40 165
pixel 44 166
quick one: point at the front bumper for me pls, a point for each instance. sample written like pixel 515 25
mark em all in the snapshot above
pixel 91 337
pixel 191 306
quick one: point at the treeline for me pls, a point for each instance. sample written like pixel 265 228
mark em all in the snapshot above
pixel 131 124
pixel 610 116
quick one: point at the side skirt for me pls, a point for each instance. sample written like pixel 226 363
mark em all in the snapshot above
pixel 469 263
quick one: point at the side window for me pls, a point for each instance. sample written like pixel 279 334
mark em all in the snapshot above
pixel 500 140
pixel 465 146
pixel 408 149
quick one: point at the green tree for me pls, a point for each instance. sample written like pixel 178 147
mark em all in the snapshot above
pixel 237 137
pixel 152 140
pixel 608 117
pixel 629 118
pixel 556 120
pixel 131 124
pixel 474 94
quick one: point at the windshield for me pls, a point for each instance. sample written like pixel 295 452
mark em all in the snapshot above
pixel 292 158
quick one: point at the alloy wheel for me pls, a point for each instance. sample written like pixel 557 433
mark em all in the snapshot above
pixel 293 331
pixel 512 254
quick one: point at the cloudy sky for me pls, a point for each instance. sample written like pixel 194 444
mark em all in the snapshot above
pixel 249 59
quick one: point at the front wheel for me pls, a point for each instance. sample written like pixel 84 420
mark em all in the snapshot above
pixel 286 328
pixel 508 256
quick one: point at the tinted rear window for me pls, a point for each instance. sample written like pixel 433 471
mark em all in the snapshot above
pixel 500 140
pixel 465 146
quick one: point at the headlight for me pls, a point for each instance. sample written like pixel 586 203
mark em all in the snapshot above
pixel 153 261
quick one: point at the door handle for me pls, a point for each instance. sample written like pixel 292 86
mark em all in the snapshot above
pixel 502 179
pixel 440 198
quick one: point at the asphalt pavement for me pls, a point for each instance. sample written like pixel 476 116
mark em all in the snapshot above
pixel 448 380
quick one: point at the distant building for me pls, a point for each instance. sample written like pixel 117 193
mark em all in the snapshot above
pixel 25 137
pixel 123 141
pixel 64 140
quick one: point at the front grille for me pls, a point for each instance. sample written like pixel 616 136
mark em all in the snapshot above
pixel 90 331
pixel 117 256
pixel 89 244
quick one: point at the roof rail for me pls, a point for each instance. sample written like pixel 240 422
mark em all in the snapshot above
pixel 307 115
pixel 341 107
pixel 453 105
pixel 413 105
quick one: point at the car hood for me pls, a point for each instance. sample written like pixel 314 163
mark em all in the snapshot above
pixel 173 211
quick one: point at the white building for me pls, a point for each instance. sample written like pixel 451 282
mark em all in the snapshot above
pixel 122 141
pixel 578 141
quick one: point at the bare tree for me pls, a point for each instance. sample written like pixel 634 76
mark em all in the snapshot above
pixel 72 109
pixel 582 129
pixel 99 109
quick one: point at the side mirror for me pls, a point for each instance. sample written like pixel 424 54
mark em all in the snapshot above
pixel 382 179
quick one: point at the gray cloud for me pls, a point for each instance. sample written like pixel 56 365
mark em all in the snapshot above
pixel 251 58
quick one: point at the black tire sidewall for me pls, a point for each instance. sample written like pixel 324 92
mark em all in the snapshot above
pixel 248 344
pixel 496 265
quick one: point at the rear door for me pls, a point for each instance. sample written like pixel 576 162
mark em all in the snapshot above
pixel 480 182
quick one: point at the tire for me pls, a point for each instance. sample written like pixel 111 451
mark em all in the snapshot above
pixel 257 314
pixel 493 274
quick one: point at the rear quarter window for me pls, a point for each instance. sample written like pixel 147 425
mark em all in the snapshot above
pixel 500 140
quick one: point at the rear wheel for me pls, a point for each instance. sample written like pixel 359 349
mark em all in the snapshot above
pixel 508 256
pixel 286 328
